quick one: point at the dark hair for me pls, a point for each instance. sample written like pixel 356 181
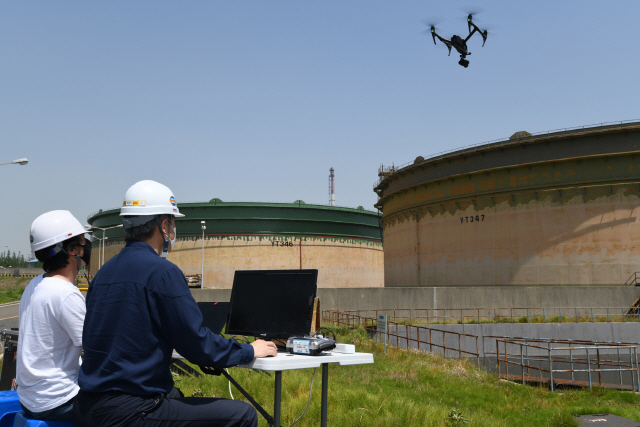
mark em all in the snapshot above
pixel 145 231
pixel 59 260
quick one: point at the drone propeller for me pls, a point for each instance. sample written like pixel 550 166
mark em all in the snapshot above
pixel 471 10
pixel 485 33
pixel 471 24
pixel 491 29
pixel 433 21
pixel 432 27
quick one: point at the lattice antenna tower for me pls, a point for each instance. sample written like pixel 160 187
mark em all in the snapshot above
pixel 332 193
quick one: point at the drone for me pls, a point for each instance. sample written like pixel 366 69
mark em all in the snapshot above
pixel 459 43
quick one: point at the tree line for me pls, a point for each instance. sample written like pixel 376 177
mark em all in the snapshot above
pixel 13 260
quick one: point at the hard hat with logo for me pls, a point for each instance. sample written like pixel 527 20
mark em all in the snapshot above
pixel 54 227
pixel 146 199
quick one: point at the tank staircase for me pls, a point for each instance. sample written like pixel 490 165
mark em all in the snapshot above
pixel 634 280
pixel 635 308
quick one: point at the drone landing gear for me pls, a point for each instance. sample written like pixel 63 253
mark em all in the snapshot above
pixel 463 62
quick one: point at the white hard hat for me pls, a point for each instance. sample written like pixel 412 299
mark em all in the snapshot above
pixel 54 227
pixel 148 198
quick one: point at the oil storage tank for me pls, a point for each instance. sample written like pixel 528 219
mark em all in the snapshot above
pixel 555 208
pixel 344 244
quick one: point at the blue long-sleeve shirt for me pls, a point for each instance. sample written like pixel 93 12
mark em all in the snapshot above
pixel 139 308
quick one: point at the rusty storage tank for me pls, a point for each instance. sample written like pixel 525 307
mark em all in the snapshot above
pixel 344 244
pixel 557 208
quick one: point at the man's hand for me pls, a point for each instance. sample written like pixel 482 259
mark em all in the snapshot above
pixel 262 348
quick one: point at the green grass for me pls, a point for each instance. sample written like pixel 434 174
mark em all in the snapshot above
pixel 410 388
pixel 11 288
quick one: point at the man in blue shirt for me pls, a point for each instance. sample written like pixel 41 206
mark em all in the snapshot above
pixel 139 308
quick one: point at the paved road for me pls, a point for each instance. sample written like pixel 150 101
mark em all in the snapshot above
pixel 9 315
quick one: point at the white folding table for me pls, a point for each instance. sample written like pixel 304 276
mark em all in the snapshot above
pixel 287 362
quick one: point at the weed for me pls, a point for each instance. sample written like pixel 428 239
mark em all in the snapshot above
pixel 455 418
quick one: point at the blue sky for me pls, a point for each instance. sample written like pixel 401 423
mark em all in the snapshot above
pixel 256 100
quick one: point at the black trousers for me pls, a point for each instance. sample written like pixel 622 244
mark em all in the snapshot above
pixel 113 409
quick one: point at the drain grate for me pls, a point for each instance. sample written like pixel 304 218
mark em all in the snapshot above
pixel 605 420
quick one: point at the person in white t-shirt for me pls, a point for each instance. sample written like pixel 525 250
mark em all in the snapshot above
pixel 51 316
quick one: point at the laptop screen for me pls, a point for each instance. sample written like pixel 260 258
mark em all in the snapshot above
pixel 214 315
pixel 272 303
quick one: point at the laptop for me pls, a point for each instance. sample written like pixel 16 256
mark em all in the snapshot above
pixel 272 303
pixel 214 315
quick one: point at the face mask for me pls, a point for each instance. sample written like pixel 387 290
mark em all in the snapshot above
pixel 78 257
pixel 165 249
pixel 86 257
pixel 173 241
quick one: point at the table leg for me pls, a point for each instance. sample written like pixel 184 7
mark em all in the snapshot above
pixel 325 392
pixel 277 401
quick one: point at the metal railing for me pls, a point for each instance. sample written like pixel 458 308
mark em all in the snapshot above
pixel 556 361
pixel 503 315
pixel 499 143
pixel 567 358
pixel 633 280
pixel 412 334
pixel 487 351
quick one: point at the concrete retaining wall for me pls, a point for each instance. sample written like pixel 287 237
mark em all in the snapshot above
pixel 461 297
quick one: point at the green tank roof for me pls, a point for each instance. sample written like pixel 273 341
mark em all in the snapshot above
pixel 254 218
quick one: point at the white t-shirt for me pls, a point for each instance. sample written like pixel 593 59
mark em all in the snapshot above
pixel 49 344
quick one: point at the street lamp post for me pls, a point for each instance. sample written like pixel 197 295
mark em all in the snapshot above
pixel 16 162
pixel 101 262
pixel 101 241
pixel 204 227
pixel 94 239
